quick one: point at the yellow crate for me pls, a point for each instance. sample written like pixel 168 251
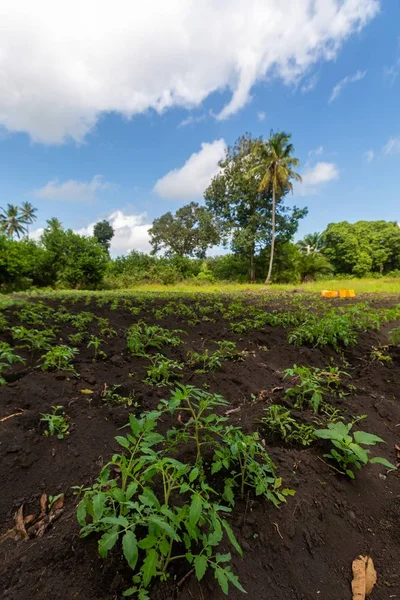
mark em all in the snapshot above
pixel 329 294
pixel 347 293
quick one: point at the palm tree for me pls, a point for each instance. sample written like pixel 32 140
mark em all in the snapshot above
pixel 312 242
pixel 276 171
pixel 28 214
pixel 11 221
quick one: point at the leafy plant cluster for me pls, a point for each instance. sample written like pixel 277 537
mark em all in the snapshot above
pixel 7 358
pixel 279 420
pixel 210 361
pixel 312 385
pixel 56 422
pixel 142 337
pixel 348 452
pixel 162 509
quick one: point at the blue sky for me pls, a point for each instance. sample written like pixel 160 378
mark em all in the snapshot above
pixel 114 115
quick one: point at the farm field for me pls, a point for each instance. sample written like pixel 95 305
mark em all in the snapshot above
pixel 222 477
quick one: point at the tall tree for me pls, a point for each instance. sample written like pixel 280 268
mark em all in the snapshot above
pixel 11 221
pixel 104 233
pixel 243 208
pixel 28 214
pixel 276 170
pixel 311 243
pixel 189 232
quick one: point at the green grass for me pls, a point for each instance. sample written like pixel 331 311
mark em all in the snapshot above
pixel 361 286
pixel 390 286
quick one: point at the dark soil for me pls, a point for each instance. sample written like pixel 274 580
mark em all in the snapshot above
pixel 302 551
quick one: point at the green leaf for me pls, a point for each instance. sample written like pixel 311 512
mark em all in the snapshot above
pixel 122 441
pixel 193 474
pixel 200 566
pixel 130 549
pixel 232 537
pixel 382 461
pixel 135 424
pixel 368 439
pixel 195 509
pixel 121 521
pixel 98 505
pixel 164 526
pixel 359 452
pixel 131 490
pixel 350 473
pixel 222 579
pixel 107 541
pixel 147 542
pixel 149 498
pixel 234 580
pixel 130 591
pixel 164 547
pixel 81 513
pixel 221 558
pixel 149 568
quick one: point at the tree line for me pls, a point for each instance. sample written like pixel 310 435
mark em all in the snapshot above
pixel 244 212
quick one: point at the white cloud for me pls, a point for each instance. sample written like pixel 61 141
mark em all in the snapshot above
pixel 191 180
pixel 317 176
pixel 191 120
pixel 261 116
pixel 131 232
pixel 64 64
pixel 80 191
pixel 309 84
pixel 392 146
pixel 337 90
pixel 392 71
pixel 370 155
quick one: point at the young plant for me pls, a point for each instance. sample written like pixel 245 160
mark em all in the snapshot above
pixel 33 339
pixel 141 337
pixel 279 420
pixel 57 422
pixel 380 355
pixel 204 361
pixel 312 384
pixel 162 371
pixel 331 329
pixel 348 451
pixel 156 525
pixel 7 358
pixel 95 343
pixel 395 336
pixel 76 338
pixel 110 396
pixel 59 359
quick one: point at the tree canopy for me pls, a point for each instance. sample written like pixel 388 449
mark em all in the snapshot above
pixel 362 247
pixel 103 232
pixel 243 207
pixel 188 232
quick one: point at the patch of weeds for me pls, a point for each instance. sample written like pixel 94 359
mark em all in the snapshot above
pixel 33 339
pixel 395 336
pixel 3 323
pixel 111 396
pixel 312 384
pixel 96 343
pixel 162 371
pixel 59 359
pixel 56 422
pixel 141 337
pixel 380 355
pixel 348 448
pixel 279 420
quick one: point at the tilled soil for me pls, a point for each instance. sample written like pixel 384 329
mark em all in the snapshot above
pixel 301 551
